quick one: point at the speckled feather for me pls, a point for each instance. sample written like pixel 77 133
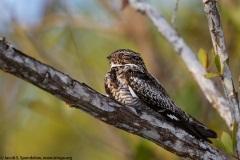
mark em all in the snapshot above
pixel 129 82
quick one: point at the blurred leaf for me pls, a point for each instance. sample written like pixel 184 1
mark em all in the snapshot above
pixel 45 110
pixel 143 151
pixel 40 108
pixel 211 56
pixel 217 63
pixel 228 143
pixel 211 75
pixel 234 135
pixel 203 57
pixel 221 145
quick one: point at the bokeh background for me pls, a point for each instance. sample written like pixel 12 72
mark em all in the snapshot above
pixel 75 37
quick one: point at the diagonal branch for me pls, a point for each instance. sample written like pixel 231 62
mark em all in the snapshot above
pixel 215 27
pixel 194 66
pixel 82 97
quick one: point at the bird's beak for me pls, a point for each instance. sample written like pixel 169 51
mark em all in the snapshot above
pixel 109 57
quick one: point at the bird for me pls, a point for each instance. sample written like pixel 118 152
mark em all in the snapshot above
pixel 129 82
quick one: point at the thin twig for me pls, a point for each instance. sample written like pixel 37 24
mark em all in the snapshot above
pixel 215 27
pixel 174 17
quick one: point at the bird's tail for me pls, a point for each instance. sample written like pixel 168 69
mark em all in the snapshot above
pixel 200 131
pixel 191 125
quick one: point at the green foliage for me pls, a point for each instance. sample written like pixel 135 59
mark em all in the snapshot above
pixel 203 58
pixel 226 143
pixel 234 135
pixel 211 75
pixel 143 151
pixel 211 57
pixel 217 63
pixel 206 60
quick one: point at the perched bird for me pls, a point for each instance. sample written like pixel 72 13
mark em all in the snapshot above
pixel 129 82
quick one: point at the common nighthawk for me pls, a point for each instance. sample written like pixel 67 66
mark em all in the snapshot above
pixel 129 82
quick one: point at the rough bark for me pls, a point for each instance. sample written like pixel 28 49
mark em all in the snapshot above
pixel 83 97
pixel 216 31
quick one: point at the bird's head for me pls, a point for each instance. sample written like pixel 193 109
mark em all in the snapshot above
pixel 123 57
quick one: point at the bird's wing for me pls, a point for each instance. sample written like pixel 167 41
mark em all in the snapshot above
pixel 150 91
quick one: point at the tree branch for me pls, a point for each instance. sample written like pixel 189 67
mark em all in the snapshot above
pixel 215 27
pixel 82 97
pixel 194 66
pixel 174 16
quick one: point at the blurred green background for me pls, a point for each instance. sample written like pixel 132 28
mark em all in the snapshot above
pixel 75 37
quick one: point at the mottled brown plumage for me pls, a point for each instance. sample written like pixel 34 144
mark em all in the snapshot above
pixel 129 82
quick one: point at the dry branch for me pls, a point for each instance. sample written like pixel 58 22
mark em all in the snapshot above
pixel 215 27
pixel 82 97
